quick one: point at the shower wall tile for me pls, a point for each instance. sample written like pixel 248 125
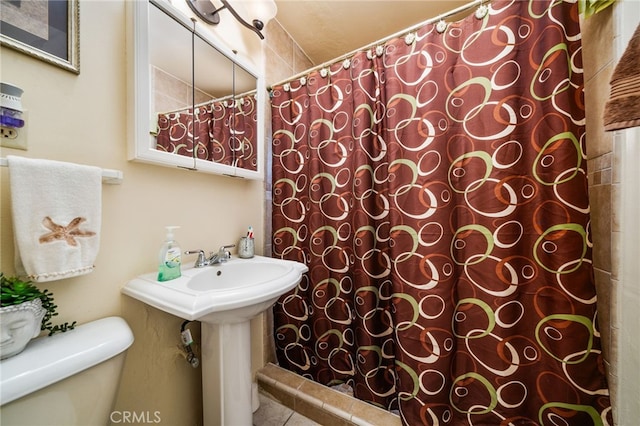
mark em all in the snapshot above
pixel 615 294
pixel 163 102
pixel 284 57
pixel 600 198
pixel 603 166
pixel 615 253
pixel 613 389
pixel 269 343
pixel 603 162
pixel 171 93
pixel 603 288
pixel 617 159
pixel 200 97
pixel 301 61
pixel 171 86
pixel 597 33
pixel 596 93
pixel 276 68
pixel 280 41
pixel 614 350
pixel 615 214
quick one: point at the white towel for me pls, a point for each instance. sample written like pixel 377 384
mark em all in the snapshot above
pixel 57 213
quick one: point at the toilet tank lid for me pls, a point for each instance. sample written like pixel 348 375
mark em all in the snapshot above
pixel 47 360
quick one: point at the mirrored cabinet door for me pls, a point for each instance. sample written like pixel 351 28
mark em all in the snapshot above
pixel 195 105
pixel 245 120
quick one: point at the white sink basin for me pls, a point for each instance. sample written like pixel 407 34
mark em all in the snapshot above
pixel 223 298
pixel 229 292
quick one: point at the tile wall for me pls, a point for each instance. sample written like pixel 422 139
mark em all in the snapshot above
pixel 171 93
pixel 603 167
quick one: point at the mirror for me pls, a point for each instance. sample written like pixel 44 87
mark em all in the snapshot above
pixel 195 104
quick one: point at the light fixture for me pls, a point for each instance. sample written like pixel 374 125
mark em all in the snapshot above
pixel 206 11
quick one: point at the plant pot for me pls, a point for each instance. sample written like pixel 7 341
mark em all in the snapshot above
pixel 19 324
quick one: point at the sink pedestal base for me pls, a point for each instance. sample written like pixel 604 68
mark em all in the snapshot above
pixel 226 374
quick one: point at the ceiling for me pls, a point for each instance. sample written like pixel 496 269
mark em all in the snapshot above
pixel 327 29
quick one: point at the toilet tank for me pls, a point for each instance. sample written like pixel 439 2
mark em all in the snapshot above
pixel 66 379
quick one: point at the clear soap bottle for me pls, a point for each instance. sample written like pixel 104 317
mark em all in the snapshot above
pixel 170 257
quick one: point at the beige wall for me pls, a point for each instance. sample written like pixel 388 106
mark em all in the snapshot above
pixel 82 119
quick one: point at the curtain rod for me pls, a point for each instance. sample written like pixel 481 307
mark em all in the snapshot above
pixel 109 176
pixel 224 98
pixel 405 31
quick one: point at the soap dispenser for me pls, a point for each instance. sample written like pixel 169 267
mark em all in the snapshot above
pixel 169 261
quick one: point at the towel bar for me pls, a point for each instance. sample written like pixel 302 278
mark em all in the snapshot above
pixel 109 176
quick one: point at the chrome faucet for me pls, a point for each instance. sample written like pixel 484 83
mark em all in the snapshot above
pixel 214 258
pixel 222 256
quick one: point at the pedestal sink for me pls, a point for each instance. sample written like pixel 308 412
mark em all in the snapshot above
pixel 223 298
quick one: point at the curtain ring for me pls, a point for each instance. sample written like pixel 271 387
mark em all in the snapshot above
pixel 441 26
pixel 482 11
pixel 324 72
pixel 410 38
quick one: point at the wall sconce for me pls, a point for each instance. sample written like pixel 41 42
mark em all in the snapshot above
pixel 264 9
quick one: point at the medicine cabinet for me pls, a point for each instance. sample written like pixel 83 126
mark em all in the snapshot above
pixel 194 103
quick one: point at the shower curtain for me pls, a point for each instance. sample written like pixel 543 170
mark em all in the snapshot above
pixel 436 187
pixel 225 132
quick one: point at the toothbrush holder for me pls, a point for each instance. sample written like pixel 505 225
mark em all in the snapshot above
pixel 246 248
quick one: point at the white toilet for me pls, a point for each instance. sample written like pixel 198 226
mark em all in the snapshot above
pixel 67 379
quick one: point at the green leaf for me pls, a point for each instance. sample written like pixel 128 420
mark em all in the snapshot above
pixel 591 7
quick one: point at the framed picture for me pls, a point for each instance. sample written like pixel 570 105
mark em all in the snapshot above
pixel 46 29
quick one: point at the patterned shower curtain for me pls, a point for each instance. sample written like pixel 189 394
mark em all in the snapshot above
pixel 225 132
pixel 436 187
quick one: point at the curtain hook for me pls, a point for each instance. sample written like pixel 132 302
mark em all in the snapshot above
pixel 441 26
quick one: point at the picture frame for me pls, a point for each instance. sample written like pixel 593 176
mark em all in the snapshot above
pixel 48 30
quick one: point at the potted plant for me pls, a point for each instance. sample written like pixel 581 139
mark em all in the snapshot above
pixel 25 310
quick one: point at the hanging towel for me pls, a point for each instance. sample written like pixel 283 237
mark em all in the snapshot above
pixel 57 213
pixel 623 108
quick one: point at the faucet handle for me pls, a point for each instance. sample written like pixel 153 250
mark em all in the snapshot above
pixel 201 261
pixel 223 253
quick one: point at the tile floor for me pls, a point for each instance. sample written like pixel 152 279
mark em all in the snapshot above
pixel 271 413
